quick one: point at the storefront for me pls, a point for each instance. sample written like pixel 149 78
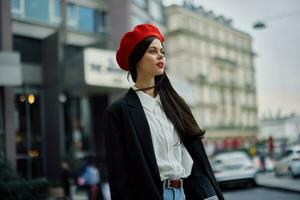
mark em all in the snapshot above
pixel 92 82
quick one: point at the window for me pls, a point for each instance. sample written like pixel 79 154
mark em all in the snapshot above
pixel 231 39
pixel 222 52
pixel 226 36
pixel 55 11
pixel 49 11
pixel 173 22
pixel 86 19
pixel 190 24
pixel 37 10
pixel 72 15
pixel 213 50
pixel 140 3
pixel 211 31
pixel 155 10
pixel 204 30
pixel 16 4
pixel 17 7
pixel 232 55
pixel 206 94
pixel 204 67
pixel 101 22
pixel 222 35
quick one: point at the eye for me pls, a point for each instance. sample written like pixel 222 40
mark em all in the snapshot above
pixel 152 51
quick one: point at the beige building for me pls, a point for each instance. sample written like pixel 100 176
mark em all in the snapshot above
pixel 218 62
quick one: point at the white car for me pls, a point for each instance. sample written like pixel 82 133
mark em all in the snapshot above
pixel 234 168
pixel 289 162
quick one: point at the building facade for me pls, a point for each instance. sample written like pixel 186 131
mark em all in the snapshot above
pixel 281 129
pixel 125 14
pixel 58 74
pixel 218 61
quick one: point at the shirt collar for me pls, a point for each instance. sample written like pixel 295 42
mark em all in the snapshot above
pixel 147 101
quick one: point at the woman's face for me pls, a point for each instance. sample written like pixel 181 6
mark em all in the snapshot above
pixel 153 61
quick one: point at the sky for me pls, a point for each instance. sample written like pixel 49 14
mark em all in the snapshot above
pixel 277 47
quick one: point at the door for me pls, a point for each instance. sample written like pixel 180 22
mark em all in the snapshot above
pixel 29 134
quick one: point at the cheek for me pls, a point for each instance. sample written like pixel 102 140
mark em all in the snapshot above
pixel 148 60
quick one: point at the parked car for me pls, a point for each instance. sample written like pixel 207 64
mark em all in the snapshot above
pixel 289 162
pixel 234 168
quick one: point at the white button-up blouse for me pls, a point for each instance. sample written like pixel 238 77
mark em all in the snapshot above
pixel 172 158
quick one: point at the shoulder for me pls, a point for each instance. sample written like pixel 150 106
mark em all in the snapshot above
pixel 130 98
pixel 117 105
pixel 115 113
pixel 116 110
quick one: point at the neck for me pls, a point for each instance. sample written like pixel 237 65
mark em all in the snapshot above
pixel 146 83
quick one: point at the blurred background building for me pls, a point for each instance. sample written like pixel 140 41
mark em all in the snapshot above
pixel 58 74
pixel 126 14
pixel 284 131
pixel 218 61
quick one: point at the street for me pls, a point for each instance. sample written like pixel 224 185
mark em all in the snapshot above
pixel 260 193
pixel 269 187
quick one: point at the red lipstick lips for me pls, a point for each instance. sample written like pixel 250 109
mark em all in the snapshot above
pixel 160 64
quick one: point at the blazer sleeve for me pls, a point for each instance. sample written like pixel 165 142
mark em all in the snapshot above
pixel 115 157
pixel 201 184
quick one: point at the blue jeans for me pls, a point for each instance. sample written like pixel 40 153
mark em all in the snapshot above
pixel 174 194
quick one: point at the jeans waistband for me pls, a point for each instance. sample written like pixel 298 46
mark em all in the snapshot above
pixel 173 183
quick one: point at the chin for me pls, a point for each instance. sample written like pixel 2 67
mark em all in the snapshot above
pixel 160 72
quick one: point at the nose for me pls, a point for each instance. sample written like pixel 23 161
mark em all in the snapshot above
pixel 161 55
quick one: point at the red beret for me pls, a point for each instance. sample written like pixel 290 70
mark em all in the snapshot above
pixel 131 39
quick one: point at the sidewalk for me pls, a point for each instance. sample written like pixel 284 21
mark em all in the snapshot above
pixel 269 180
pixel 80 195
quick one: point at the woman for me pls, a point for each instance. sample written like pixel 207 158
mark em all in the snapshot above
pixel 153 143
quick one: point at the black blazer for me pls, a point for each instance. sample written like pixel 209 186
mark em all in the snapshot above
pixel 132 168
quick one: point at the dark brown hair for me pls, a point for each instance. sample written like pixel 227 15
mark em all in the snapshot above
pixel 175 108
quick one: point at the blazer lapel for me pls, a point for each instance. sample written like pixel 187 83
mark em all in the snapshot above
pixel 140 122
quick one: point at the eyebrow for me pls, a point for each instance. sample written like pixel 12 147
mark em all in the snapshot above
pixel 152 47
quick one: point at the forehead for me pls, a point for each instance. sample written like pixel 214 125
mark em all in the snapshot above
pixel 156 43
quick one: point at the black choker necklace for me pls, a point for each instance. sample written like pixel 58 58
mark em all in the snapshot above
pixel 144 89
